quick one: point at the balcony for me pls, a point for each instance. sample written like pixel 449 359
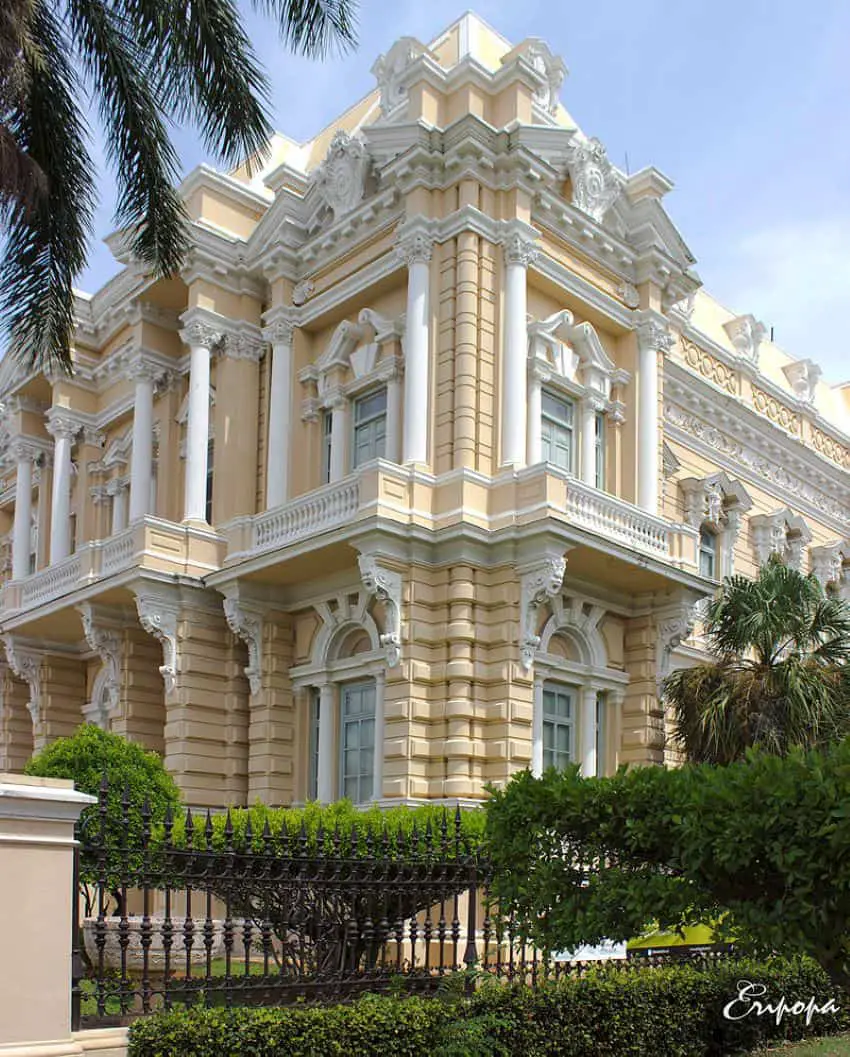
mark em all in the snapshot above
pixel 150 543
pixel 409 496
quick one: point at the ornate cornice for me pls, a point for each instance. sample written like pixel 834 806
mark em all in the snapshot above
pixel 159 611
pixel 386 586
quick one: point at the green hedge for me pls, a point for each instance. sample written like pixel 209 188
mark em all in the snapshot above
pixel 669 1012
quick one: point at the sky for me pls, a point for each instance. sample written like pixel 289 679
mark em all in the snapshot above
pixel 743 104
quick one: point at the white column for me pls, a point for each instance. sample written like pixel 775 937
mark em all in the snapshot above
pixel 589 407
pixel 588 732
pixel 200 339
pixel 653 338
pixel 378 766
pixel 280 400
pixel 117 489
pixel 534 445
pixel 339 438
pixel 519 251
pixel 63 430
pixel 141 463
pixel 327 769
pixel 415 249
pixel 394 397
pixel 21 534
pixel 537 729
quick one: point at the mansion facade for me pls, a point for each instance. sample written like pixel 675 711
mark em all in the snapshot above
pixel 419 472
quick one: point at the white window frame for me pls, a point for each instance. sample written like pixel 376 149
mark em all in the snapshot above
pixel 368 424
pixel 359 685
pixel 599 439
pixel 568 402
pixel 557 721
pixel 706 531
pixel 327 441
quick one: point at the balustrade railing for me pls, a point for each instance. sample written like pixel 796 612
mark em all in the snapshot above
pixel 317 512
pixel 615 519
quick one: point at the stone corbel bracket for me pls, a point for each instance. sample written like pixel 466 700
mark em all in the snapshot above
pixel 26 665
pixel 158 614
pixel 104 638
pixel 385 585
pixel 539 584
pixel 675 624
pixel 247 624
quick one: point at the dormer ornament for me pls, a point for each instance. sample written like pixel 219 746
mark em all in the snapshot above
pixel 389 71
pixel 553 71
pixel 746 334
pixel 341 178
pixel 596 185
pixel 803 377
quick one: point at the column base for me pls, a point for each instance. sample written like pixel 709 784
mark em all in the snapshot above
pixel 197 523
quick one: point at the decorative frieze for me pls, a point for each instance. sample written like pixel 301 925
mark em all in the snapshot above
pixel 539 584
pixel 386 586
pixel 830 448
pixel 708 366
pixel 777 412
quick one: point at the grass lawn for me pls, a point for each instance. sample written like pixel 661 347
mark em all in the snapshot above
pixel 837 1046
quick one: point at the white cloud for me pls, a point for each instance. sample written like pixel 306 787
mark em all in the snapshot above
pixel 795 277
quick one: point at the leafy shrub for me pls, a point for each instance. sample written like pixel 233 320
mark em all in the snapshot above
pixel 760 846
pixel 670 1012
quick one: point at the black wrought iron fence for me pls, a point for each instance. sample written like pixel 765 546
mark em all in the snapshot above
pixel 190 912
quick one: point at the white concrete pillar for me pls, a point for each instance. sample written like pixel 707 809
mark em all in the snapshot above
pixel 21 534
pixel 117 489
pixel 339 438
pixel 63 430
pixel 378 766
pixel 394 398
pixel 415 249
pixel 653 337
pixel 519 251
pixel 200 339
pixel 327 769
pixel 590 406
pixel 537 729
pixel 280 413
pixel 141 462
pixel 534 446
pixel 587 732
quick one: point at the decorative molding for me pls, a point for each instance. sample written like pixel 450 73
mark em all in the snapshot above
pixel 386 586
pixel 595 183
pixel 828 562
pixel 390 70
pixel 302 292
pixel 830 448
pixel 244 344
pixel 26 665
pixel 553 71
pixel 746 334
pixel 653 333
pixel 62 424
pixel 340 181
pixel 539 584
pixel 159 611
pixel 782 533
pixel 103 637
pixel 519 248
pixel 413 246
pixel 674 624
pixel 248 626
pixel 628 294
pixel 803 377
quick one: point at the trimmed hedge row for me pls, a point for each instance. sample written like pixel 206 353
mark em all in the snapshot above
pixel 669 1012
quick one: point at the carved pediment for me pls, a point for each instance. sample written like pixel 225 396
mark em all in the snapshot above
pixel 573 351
pixel 341 180
pixel 595 183
pixel 389 71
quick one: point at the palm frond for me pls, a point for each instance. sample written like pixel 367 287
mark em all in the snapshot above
pixel 313 27
pixel 137 142
pixel 46 245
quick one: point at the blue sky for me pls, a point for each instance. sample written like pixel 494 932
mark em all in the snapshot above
pixel 744 104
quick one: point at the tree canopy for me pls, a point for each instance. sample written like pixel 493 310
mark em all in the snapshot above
pixel 761 846
pixel 143 64
pixel 780 677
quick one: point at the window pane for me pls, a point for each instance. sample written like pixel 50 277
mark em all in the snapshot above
pixel 600 450
pixel 557 409
pixel 370 406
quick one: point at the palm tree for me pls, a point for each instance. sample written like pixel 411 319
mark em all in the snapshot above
pixel 144 63
pixel 781 676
